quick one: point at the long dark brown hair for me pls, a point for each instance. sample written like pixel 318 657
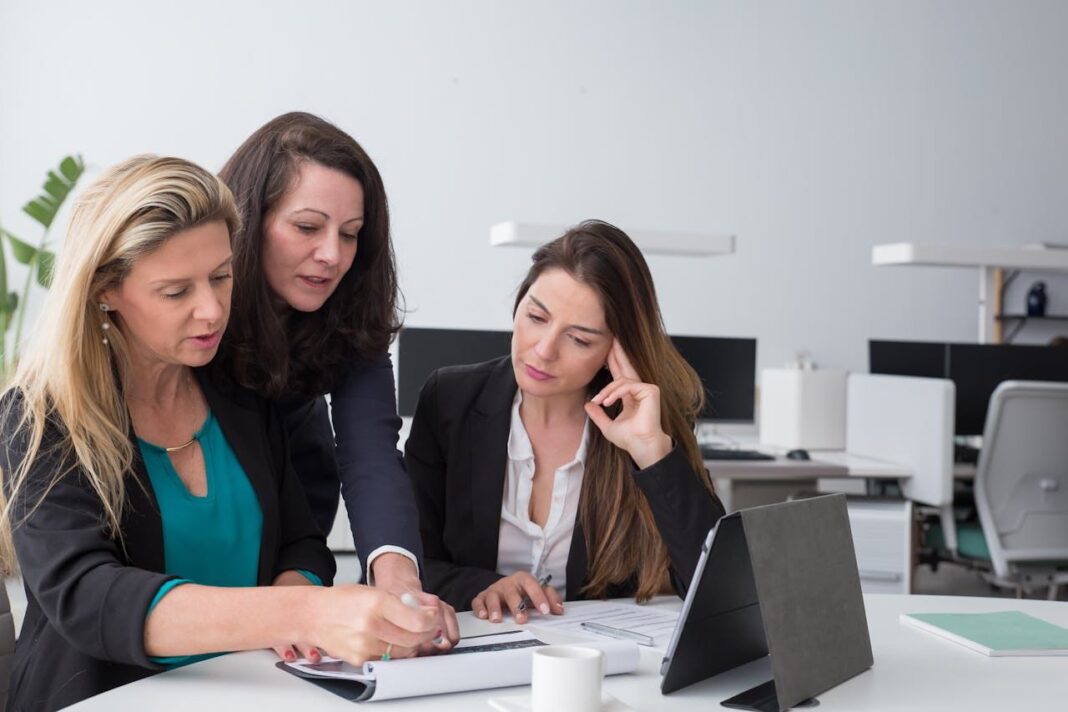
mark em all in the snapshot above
pixel 290 352
pixel 621 535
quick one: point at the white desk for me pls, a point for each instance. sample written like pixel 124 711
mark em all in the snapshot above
pixel 750 483
pixel 913 671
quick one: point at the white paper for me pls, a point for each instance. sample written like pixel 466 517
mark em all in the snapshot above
pixel 654 622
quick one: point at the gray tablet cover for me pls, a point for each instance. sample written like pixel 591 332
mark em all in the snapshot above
pixel 780 580
pixel 805 570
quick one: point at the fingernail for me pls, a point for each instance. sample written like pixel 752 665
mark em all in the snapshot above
pixel 290 656
pixel 481 614
pixel 496 616
pixel 544 608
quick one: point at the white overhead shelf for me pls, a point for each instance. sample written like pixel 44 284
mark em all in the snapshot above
pixel 1022 257
pixel 515 234
pixel 989 260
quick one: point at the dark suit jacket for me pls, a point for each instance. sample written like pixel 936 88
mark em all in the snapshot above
pixel 365 460
pixel 88 594
pixel 457 455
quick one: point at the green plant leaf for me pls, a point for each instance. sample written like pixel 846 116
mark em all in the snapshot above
pixel 10 304
pixel 23 252
pixel 57 187
pixel 72 168
pixel 46 262
pixel 40 211
pixel 5 321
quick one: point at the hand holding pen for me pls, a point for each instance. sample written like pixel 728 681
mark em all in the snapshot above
pixel 516 594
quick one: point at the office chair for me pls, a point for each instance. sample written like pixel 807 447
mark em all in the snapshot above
pixel 1021 488
pixel 7 644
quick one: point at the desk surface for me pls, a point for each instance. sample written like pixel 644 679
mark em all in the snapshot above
pixel 913 670
pixel 824 463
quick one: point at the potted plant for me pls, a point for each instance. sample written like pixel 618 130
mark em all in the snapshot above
pixel 38 259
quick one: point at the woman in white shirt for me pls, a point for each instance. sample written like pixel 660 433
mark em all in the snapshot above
pixel 574 458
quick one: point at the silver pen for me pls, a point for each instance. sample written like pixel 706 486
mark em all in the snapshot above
pixel 524 604
pixel 601 629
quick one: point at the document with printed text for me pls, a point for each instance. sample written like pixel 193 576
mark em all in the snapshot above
pixel 656 623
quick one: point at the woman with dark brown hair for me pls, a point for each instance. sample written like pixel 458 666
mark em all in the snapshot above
pixel 314 310
pixel 569 469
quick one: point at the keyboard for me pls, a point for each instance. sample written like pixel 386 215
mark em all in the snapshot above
pixel 711 452
pixel 965 454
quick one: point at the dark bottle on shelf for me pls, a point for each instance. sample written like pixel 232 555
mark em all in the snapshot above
pixel 1036 299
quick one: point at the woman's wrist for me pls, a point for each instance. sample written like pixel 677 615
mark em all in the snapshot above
pixel 307 602
pixel 395 573
pixel 651 451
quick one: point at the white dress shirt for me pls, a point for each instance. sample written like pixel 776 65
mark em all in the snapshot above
pixel 522 545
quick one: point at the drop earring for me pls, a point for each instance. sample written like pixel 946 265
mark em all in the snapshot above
pixel 106 326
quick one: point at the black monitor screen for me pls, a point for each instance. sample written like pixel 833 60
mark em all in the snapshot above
pixel 727 368
pixel 975 369
pixel 908 358
pixel 420 352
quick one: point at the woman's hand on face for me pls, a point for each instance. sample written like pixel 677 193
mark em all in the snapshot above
pixel 358 623
pixel 637 428
pixel 507 594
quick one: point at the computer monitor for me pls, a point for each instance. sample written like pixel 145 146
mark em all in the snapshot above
pixel 420 352
pixel 975 369
pixel 727 368
pixel 924 359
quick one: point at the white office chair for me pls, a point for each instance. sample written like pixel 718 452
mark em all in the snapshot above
pixel 7 644
pixel 1021 485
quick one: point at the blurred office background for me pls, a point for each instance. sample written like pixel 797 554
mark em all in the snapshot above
pixel 812 131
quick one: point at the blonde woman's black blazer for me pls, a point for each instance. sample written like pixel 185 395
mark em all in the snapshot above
pixel 457 454
pixel 88 594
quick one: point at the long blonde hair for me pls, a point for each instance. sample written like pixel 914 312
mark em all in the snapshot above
pixel 69 377
pixel 620 532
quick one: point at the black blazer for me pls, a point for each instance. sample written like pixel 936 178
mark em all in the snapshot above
pixel 457 456
pixel 88 594
pixel 365 460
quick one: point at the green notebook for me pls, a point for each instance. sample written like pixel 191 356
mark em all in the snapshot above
pixel 995 634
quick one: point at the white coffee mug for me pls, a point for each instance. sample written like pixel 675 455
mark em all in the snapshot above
pixel 566 678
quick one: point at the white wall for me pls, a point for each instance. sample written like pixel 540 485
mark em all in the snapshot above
pixel 811 130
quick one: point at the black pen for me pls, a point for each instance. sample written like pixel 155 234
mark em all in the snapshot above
pixel 543 581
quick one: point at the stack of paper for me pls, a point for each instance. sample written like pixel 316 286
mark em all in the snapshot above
pixel 655 623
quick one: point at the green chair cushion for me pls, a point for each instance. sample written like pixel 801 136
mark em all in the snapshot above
pixel 971 544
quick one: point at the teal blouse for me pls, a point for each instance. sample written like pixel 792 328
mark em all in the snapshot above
pixel 212 540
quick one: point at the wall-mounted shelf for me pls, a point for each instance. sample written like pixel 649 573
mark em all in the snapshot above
pixel 991 261
pixel 1025 317
pixel 693 244
pixel 1035 257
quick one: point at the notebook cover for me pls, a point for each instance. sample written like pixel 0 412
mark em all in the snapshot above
pixel 995 634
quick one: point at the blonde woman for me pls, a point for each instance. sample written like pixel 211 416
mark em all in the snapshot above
pixel 151 506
